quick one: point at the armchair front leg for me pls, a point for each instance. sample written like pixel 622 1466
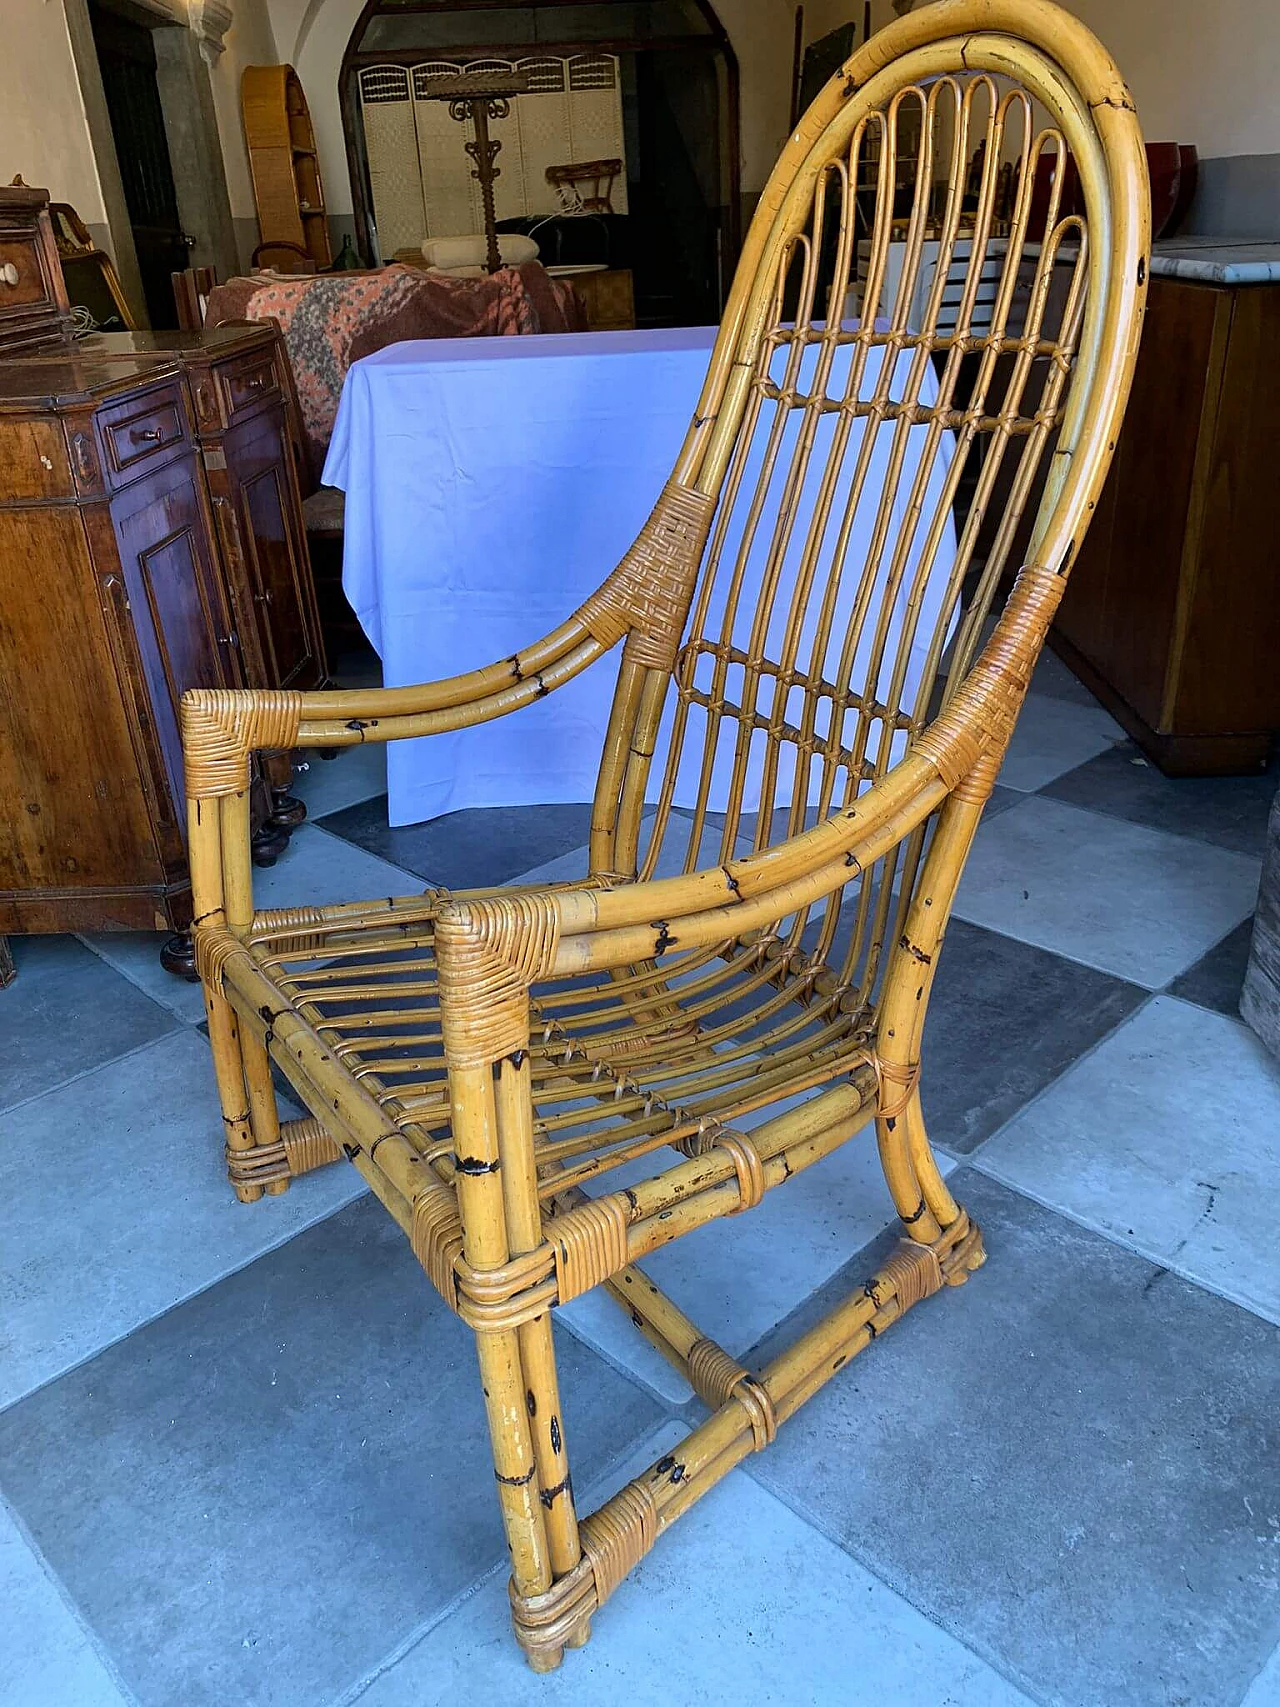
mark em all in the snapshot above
pixel 220 731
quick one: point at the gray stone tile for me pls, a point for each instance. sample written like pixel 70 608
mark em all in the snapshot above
pixel 1217 978
pixel 1166 1138
pixel 1228 811
pixel 320 869
pixel 739 1275
pixel 46 1660
pixel 66 1014
pixel 1073 1469
pixel 1005 1019
pixel 1055 679
pixel 1128 900
pixel 135 955
pixel 128 1209
pixel 315 870
pixel 328 785
pixel 1265 1690
pixel 473 849
pixel 785 1618
pixel 1052 736
pixel 1000 800
pixel 257 1497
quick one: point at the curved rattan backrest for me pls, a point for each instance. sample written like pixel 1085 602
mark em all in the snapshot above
pixel 915 389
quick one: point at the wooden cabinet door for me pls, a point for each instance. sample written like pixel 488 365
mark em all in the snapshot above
pixel 1122 600
pixel 176 608
pixel 264 546
pixel 74 813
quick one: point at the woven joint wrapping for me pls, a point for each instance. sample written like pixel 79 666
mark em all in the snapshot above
pixel 913 1271
pixel 222 726
pixel 746 1165
pixel 590 1244
pixel 647 595
pixel 291 930
pixel 436 1237
pixel 717 1378
pixel 896 1083
pixel 307 1145
pixel 214 945
pixel 488 953
pixel 618 1536
pixel 263 1164
pixel 614 1540
pixel 980 718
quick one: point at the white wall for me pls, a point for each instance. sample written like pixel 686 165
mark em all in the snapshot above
pixel 44 133
pixel 249 41
pixel 312 36
pixel 1207 74
pixel 1202 73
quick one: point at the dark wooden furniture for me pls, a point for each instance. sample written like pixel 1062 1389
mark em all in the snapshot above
pixel 1172 614
pixel 151 540
pixel 34 312
pixel 1260 998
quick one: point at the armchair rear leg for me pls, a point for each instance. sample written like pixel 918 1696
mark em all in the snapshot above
pixel 920 1193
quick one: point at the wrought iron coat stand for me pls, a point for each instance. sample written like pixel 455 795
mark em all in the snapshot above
pixel 479 97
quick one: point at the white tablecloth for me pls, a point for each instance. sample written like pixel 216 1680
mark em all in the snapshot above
pixel 491 483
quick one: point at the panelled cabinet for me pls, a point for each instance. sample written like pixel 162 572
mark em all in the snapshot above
pixel 1172 613
pixel 151 540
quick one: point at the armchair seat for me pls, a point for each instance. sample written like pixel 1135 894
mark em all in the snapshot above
pixel 620 1067
pixel 543 1085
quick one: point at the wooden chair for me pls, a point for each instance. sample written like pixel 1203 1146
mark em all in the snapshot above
pixel 486 1058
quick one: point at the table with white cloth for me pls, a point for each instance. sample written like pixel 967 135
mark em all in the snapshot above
pixel 491 484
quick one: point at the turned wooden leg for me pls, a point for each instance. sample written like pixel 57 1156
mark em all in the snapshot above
pixel 178 955
pixel 8 971
pixel 269 842
pixel 287 811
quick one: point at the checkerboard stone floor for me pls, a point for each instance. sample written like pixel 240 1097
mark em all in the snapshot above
pixel 242 1452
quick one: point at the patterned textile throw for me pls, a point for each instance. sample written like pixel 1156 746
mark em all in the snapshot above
pixel 329 321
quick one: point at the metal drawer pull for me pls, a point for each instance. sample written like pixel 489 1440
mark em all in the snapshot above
pixel 143 435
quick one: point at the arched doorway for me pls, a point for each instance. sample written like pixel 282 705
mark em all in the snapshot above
pixel 651 82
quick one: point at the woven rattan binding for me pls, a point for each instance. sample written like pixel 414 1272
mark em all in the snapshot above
pixel 590 1244
pixel 221 727
pixel 647 595
pixel 489 953
pixel 436 1237
pixel 716 1378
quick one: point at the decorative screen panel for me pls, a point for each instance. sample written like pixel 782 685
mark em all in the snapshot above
pixel 421 175
pixel 450 194
pixel 391 145
pixel 544 129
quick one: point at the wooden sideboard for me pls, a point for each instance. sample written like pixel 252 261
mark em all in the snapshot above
pixel 1172 613
pixel 151 540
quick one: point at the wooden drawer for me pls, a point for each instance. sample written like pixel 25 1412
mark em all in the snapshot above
pixel 22 280
pixel 142 432
pixel 247 381
pixel 33 297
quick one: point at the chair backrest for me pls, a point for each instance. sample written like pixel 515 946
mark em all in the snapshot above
pixel 916 388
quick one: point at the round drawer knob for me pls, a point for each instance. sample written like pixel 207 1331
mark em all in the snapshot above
pixel 9 273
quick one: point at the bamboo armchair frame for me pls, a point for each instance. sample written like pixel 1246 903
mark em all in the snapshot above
pixel 484 1058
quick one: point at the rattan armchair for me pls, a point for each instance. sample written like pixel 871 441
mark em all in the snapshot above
pixel 486 1058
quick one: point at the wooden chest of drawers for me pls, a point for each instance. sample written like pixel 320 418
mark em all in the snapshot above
pixel 150 540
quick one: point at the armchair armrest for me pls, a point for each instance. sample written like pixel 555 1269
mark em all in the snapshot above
pixel 645 599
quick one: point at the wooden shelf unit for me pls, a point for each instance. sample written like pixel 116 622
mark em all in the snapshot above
pixel 284 162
